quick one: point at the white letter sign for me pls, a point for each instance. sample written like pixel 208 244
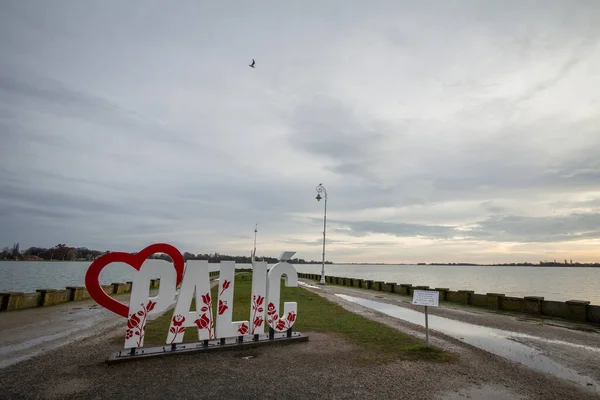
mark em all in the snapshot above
pixel 213 314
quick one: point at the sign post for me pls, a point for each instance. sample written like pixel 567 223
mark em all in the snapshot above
pixel 426 328
pixel 426 298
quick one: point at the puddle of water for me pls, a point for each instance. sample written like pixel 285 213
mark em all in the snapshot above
pixel 492 340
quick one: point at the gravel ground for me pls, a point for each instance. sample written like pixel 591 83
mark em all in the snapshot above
pixel 585 360
pixel 324 367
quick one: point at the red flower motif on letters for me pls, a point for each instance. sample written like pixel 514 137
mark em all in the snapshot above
pixel 206 320
pixel 203 322
pixel 137 322
pixel 272 314
pixel 290 319
pixel 176 329
pixel 280 324
pixel 134 320
pixel 243 328
pixel 226 285
pixel 178 320
pixel 257 310
pixel 222 307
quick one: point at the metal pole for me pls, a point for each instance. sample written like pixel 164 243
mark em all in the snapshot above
pixel 321 189
pixel 426 329
pixel 324 230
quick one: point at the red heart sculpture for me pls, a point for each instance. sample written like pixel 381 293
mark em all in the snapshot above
pixel 92 282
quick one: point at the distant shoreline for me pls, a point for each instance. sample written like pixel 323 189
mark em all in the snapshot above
pixel 577 265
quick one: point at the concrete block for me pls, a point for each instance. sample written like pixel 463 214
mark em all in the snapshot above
pixel 368 284
pixel 356 282
pixel 351 282
pixel 108 289
pixel 479 300
pixel 421 288
pixel 157 283
pixel 79 292
pixel 30 300
pixel 494 300
pixel 532 304
pixel 118 288
pixel 128 286
pixel 377 285
pixel 388 287
pixel 558 309
pixel 406 289
pixel 577 310
pixel 593 314
pixel 51 297
pixel 516 304
pixel 442 292
pixel 14 301
pixel 453 296
pixel 465 296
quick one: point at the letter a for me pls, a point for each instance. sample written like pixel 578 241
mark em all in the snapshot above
pixel 195 279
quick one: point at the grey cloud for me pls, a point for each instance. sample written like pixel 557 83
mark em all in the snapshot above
pixel 157 129
pixel 538 229
pixel 398 229
pixel 492 208
pixel 57 98
pixel 497 229
pixel 325 126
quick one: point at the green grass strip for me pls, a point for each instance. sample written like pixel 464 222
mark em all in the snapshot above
pixel 378 342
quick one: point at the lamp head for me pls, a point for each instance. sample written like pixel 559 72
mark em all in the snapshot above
pixel 318 197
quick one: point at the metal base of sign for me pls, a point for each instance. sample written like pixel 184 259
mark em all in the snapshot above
pixel 205 346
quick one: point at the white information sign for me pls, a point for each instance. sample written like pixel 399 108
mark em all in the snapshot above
pixel 429 298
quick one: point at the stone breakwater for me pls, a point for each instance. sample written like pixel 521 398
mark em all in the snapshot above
pixel 573 310
pixel 10 301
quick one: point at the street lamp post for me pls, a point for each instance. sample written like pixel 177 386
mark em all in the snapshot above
pixel 321 189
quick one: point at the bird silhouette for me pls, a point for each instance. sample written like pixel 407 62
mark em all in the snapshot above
pixel 253 62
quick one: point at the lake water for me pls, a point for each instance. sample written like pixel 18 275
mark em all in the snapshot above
pixel 553 283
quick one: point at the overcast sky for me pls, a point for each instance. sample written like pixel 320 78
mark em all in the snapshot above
pixel 442 130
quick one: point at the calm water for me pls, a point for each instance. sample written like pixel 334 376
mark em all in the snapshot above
pixel 551 282
pixel 23 276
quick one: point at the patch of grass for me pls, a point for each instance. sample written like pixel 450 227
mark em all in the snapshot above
pixel 380 342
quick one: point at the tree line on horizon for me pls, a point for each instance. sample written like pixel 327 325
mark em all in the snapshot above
pixel 62 252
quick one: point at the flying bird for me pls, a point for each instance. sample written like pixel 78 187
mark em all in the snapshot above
pixel 253 62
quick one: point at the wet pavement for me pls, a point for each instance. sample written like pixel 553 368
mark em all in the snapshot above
pixel 502 343
pixel 308 285
pixel 27 333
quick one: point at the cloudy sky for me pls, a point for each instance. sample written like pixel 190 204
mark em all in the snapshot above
pixel 442 130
